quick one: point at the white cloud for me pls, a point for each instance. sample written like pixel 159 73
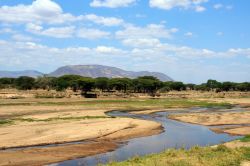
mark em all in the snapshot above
pixel 218 6
pixel 111 3
pixel 49 12
pixel 6 30
pixel 67 32
pixel 140 43
pixel 21 37
pixel 219 33
pixel 38 12
pixel 189 34
pixel 183 4
pixel 107 21
pixel 140 15
pixel 229 7
pixel 92 33
pixel 150 31
pixel 108 50
pixel 221 6
pixel 199 8
pixel 57 32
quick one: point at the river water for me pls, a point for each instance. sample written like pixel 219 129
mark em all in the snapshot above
pixel 175 135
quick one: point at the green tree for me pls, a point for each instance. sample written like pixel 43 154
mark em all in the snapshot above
pixel 201 87
pixel 25 83
pixel 86 84
pixel 147 84
pixel 67 81
pixel 178 86
pixel 102 83
pixel 213 84
pixel 245 86
pixel 120 84
pixel 190 86
pixel 45 82
pixel 7 82
pixel 227 86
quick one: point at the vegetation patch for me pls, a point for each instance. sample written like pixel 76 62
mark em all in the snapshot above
pixel 135 103
pixel 4 122
pixel 61 118
pixel 245 139
pixel 196 156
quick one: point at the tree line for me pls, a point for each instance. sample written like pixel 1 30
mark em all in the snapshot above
pixel 144 84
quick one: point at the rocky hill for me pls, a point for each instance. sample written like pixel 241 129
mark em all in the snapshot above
pixel 105 71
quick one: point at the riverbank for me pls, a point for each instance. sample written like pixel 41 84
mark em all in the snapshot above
pixel 29 122
pixel 196 156
pixel 235 122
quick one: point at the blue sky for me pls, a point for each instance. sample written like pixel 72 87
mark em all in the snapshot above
pixel 189 40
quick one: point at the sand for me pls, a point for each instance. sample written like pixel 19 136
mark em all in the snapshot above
pixel 212 119
pixel 36 133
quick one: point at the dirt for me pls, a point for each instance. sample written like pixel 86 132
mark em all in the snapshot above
pixel 42 156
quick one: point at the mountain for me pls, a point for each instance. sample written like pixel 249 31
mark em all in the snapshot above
pixel 105 71
pixel 15 74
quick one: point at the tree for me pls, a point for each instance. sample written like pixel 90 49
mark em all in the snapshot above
pixel 147 84
pixel 120 84
pixel 67 81
pixel 85 84
pixel 7 82
pixel 25 83
pixel 213 84
pixel 102 83
pixel 178 86
pixel 45 82
pixel 245 86
pixel 227 86
pixel 201 87
pixel 190 86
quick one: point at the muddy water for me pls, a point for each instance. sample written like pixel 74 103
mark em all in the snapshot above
pixel 176 135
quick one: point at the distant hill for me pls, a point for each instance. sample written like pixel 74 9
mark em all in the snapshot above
pixel 87 71
pixel 105 71
pixel 15 74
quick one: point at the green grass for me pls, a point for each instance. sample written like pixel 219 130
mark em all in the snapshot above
pixel 11 121
pixel 245 139
pixel 131 103
pixel 60 118
pixel 4 122
pixel 196 156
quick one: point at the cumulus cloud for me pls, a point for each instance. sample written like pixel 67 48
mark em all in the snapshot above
pixel 106 21
pixel 67 32
pixel 39 11
pixel 111 3
pixel 183 4
pixel 142 42
pixel 108 50
pixel 21 37
pixel 189 34
pixel 218 6
pixel 149 31
pixel 6 30
pixel 49 12
pixel 92 34
pixel 57 32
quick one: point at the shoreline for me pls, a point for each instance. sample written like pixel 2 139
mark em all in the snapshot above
pixel 98 144
pixel 54 154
